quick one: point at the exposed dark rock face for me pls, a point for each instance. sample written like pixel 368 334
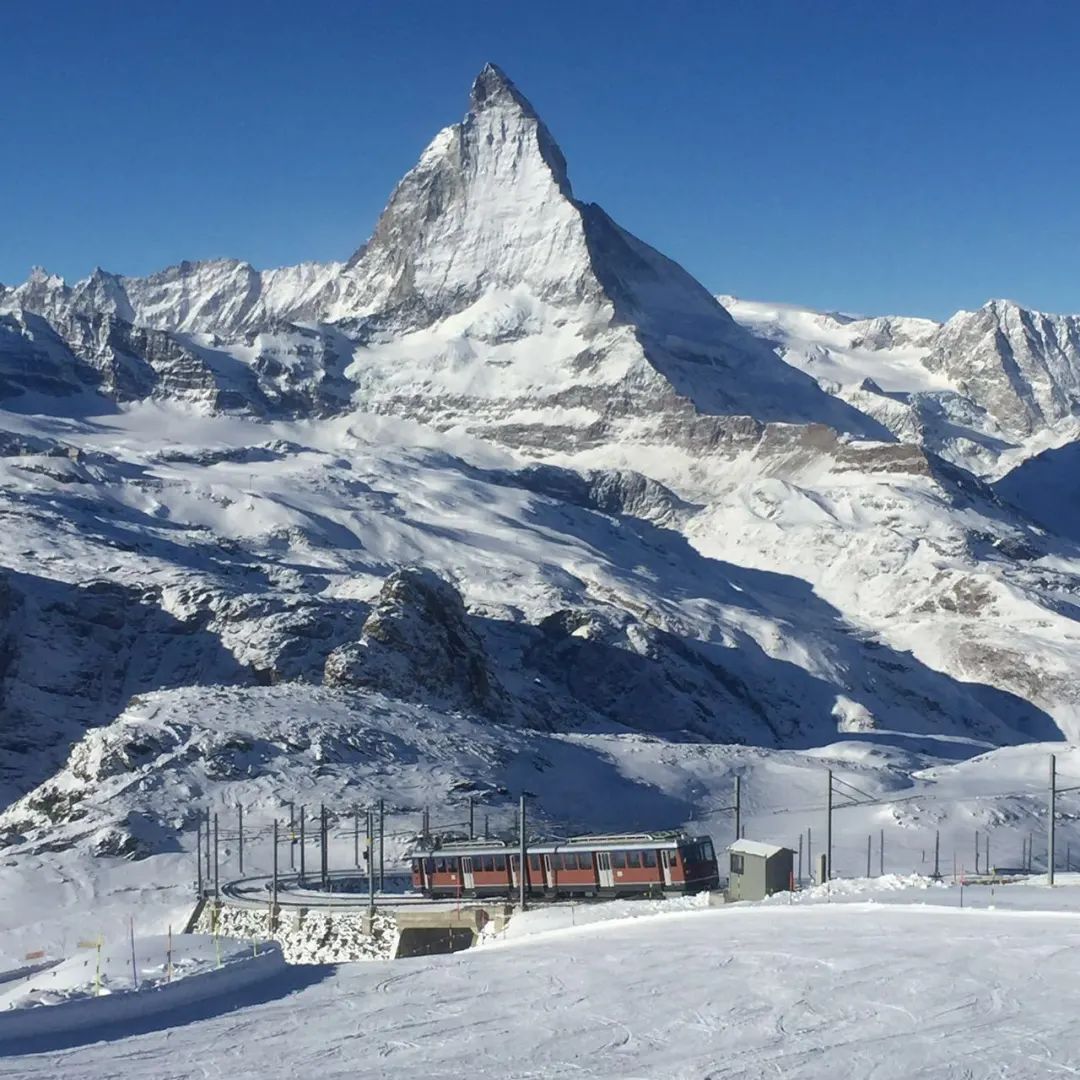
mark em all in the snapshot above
pixel 417 644
pixel 72 656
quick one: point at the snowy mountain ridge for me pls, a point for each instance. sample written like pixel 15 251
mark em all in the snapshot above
pixel 987 389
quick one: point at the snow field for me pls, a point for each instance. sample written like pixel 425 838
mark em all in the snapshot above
pixel 841 991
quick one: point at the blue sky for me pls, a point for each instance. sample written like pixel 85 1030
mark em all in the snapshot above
pixel 878 157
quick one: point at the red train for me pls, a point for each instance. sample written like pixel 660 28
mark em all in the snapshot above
pixel 623 865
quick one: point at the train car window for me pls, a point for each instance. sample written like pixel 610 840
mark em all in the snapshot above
pixel 707 851
pixel 674 858
pixel 430 865
pixel 534 862
pixel 618 860
pixel 633 860
pixel 500 862
pixel 489 864
pixel 648 858
pixel 584 861
pixel 736 863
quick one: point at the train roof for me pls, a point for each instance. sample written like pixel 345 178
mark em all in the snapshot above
pixel 608 842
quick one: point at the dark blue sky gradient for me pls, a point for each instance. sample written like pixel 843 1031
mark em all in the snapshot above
pixel 905 157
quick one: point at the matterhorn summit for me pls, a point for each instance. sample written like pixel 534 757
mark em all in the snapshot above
pixel 488 298
pixel 488 207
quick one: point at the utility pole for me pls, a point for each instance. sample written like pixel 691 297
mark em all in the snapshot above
pixel 302 816
pixel 800 860
pixel 487 825
pixel 828 835
pixel 810 855
pixel 472 808
pixel 356 834
pixel 1031 844
pixel 198 851
pixel 976 851
pixel 370 863
pixel 382 849
pixel 987 860
pixel 292 836
pixel 881 855
pixel 240 830
pixel 738 807
pixel 273 892
pixel 868 838
pixel 217 891
pixel 1050 822
pixel 937 855
pixel 207 834
pixel 325 857
pixel 523 865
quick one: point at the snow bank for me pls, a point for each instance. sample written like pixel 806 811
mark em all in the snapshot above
pixel 558 917
pixel 68 996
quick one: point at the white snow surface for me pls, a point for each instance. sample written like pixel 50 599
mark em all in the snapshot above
pixel 821 990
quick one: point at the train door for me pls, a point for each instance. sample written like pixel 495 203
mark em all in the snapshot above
pixel 665 864
pixel 515 870
pixel 603 870
pixel 467 872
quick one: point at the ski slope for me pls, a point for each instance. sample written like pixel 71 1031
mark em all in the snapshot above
pixel 858 990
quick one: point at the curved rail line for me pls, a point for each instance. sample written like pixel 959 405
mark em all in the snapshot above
pixel 256 892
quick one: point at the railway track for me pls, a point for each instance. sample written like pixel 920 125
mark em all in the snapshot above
pixel 348 891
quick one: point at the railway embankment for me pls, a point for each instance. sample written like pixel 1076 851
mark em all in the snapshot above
pixel 336 935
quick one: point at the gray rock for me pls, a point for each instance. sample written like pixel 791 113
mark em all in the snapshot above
pixel 417 644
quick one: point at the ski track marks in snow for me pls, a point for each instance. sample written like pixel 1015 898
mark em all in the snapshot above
pixel 843 991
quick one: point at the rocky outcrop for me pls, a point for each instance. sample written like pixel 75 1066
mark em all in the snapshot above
pixel 1022 367
pixel 610 491
pixel 71 657
pixel 417 645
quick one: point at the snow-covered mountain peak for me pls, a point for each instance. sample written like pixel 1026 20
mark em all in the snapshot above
pixel 1021 366
pixel 487 206
pixel 494 91
pixel 494 87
